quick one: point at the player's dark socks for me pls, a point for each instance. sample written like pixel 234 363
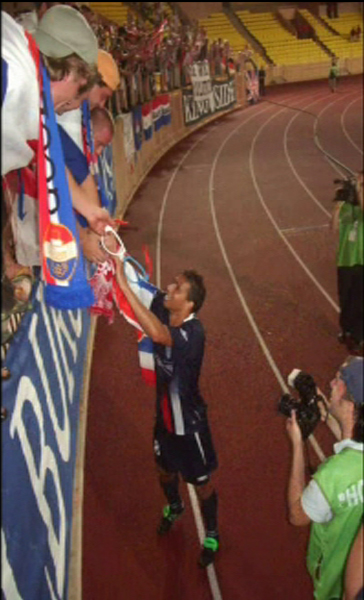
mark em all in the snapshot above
pixel 170 489
pixel 209 513
pixel 208 552
pixel 169 517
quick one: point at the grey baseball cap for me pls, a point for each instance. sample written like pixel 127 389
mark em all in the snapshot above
pixel 352 375
pixel 63 31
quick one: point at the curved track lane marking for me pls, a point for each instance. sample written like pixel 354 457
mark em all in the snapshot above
pixel 344 128
pixel 274 223
pixel 293 169
pixel 165 198
pixel 333 161
pixel 211 573
pixel 239 293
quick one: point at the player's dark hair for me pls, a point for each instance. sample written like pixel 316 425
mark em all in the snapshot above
pixel 197 291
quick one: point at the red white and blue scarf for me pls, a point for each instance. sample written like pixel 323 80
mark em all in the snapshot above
pixel 66 286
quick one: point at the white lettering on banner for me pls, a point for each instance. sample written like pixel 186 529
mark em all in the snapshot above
pixel 8 583
pixel 223 95
pixel 61 328
pixel 63 436
pixel 50 585
pixel 195 110
pixel 47 464
pixel 202 84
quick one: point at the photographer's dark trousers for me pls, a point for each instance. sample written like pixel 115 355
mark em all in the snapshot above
pixel 350 288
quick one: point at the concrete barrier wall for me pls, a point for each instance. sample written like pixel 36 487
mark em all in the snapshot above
pixel 129 176
pixel 295 73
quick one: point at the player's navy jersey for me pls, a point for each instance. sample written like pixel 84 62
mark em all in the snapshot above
pixel 180 406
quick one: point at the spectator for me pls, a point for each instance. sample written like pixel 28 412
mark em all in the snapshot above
pixel 353 35
pixel 69 51
pixel 262 75
pixel 81 179
pixel 348 220
pixel 103 129
pixel 183 443
pixel 333 75
pixel 333 500
pixel 72 72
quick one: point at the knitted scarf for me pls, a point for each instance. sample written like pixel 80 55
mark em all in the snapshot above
pixel 66 286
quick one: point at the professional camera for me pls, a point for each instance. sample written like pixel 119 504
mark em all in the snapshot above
pixel 347 191
pixel 306 407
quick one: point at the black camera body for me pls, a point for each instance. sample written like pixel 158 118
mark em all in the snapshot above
pixel 347 191
pixel 306 407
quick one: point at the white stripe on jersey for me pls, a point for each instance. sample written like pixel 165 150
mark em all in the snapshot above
pixel 177 408
pixel 198 440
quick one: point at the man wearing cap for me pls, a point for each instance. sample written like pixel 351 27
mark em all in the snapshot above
pixel 333 500
pixel 67 47
pixel 73 142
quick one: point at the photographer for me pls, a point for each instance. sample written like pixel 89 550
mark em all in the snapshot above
pixel 348 221
pixel 333 500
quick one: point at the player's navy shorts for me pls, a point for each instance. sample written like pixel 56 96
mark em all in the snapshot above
pixel 192 455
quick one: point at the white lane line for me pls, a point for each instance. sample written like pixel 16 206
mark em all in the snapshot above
pixel 302 229
pixel 239 293
pixel 274 223
pixel 344 128
pixel 332 160
pixel 211 573
pixel 293 169
pixel 166 194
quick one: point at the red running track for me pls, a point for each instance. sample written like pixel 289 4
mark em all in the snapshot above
pixel 245 201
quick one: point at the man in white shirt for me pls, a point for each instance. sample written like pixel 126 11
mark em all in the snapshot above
pixel 333 500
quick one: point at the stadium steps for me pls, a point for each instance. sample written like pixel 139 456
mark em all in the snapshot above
pixel 337 44
pixel 343 24
pixel 255 44
pixel 282 46
pixel 218 25
pixel 114 11
pixel 326 24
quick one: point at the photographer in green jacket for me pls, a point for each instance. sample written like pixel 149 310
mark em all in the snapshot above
pixel 348 221
pixel 333 500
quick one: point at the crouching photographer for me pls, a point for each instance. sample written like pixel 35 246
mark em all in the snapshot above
pixel 348 221
pixel 333 500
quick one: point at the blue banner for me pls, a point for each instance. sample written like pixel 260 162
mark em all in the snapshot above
pixel 106 170
pixel 39 435
pixel 138 127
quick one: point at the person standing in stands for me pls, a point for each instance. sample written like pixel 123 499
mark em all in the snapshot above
pixel 333 500
pixel 262 76
pixel 182 440
pixel 333 75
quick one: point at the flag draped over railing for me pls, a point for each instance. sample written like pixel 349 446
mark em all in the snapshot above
pixel 108 293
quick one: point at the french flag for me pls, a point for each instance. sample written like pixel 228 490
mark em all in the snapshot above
pixel 145 291
pixel 157 113
pixel 165 102
pixel 147 121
